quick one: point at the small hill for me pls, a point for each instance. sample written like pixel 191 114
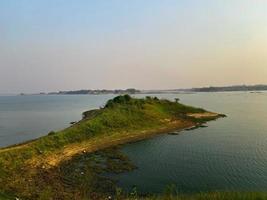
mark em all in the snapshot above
pixel 37 169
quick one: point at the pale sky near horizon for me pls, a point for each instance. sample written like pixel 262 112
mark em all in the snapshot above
pixel 51 45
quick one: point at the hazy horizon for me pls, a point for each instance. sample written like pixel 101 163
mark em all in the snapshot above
pixel 58 45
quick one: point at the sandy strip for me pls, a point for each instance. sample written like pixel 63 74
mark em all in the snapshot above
pixel 202 115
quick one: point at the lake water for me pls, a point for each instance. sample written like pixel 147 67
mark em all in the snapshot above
pixel 230 154
pixel 28 117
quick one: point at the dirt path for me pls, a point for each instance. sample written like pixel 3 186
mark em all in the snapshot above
pixel 103 142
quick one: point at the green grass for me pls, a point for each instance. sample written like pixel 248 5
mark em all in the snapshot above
pixel 200 196
pixel 121 115
pixel 6 197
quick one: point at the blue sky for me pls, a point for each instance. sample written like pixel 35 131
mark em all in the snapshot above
pixel 50 45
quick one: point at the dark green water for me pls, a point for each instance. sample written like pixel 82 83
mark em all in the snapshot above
pixel 231 154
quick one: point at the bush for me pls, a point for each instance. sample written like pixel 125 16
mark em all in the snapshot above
pixel 52 133
pixel 122 99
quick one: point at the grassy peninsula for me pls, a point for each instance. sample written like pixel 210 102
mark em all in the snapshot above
pixel 69 164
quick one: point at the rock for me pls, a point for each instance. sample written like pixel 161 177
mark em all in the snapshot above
pixel 173 133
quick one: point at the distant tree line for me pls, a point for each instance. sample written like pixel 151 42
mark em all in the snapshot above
pixel 231 88
pixel 118 91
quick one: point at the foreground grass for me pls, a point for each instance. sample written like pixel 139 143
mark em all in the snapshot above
pixel 200 196
pixel 40 169
pixel 6 197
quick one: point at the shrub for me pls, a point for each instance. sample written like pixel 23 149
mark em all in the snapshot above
pixel 52 133
pixel 122 99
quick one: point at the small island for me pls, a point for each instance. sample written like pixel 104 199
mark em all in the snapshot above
pixel 70 164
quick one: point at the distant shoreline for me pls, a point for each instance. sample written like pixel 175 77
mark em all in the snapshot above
pixel 234 88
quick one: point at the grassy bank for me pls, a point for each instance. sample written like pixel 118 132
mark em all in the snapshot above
pixel 43 168
pixel 200 196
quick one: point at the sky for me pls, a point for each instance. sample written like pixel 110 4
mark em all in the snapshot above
pixel 52 45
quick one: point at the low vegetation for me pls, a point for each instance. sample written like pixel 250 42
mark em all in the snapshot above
pixel 199 196
pixel 53 166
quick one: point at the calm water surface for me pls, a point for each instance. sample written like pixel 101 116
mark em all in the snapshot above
pixel 231 154
pixel 27 117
